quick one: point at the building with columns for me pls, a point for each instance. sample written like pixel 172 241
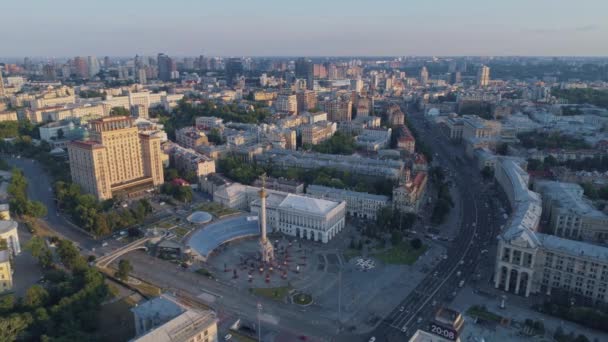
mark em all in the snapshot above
pixel 530 262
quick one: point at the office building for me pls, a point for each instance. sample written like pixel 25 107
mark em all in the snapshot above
pixel 483 76
pixel 358 204
pixel 529 262
pixel 234 70
pixel 93 66
pixel 166 67
pixel 424 76
pixel 166 319
pixel 305 70
pixel 116 159
pixel 188 160
pixel 569 214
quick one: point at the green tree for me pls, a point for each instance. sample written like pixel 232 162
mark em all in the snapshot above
pixel 35 296
pixel 68 254
pixel 119 111
pixel 7 303
pixel 12 326
pixel 124 268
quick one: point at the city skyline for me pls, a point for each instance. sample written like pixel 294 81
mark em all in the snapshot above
pixel 272 28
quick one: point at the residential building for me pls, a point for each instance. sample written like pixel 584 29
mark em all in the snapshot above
pixel 191 137
pixel 188 160
pixel 406 140
pixel 483 76
pixel 116 159
pixel 307 100
pixel 208 122
pixel 355 164
pixel 358 204
pixel 8 233
pixel 374 139
pixel 281 184
pixel 8 116
pixel 424 76
pixel 234 70
pixel 287 104
pixel 338 109
pixel 318 132
pixel 408 195
pixel 569 214
pixel 6 272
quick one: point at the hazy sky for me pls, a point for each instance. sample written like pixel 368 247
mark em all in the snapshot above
pixel 303 27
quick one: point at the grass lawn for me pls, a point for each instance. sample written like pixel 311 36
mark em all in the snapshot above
pixel 483 313
pixel 180 231
pixel 276 293
pixel 402 254
pixel 216 209
pixel 146 289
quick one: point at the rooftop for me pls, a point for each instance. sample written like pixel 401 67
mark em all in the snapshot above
pixel 573 247
pixel 7 225
pixel 308 204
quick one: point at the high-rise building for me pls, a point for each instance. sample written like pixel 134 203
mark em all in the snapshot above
pixel 455 77
pixel 1 84
pixel 116 159
pixel 483 76
pixel 79 67
pixel 338 109
pixel 49 73
pixel 141 76
pixel 305 70
pixel 234 69
pixel 287 103
pixel 166 67
pixel 424 76
pixel 93 65
pixel 307 100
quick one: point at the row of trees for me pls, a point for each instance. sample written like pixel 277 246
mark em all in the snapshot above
pixel 96 217
pixel 582 96
pixel 548 140
pixel 66 308
pixel 181 193
pixel 339 143
pixel 444 202
pixel 19 202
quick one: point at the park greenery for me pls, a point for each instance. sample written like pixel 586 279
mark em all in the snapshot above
pixel 185 114
pixel 583 96
pixel 64 308
pixel 119 111
pixel 246 173
pixel 98 218
pixel 402 253
pixel 420 147
pixel 182 193
pixel 444 201
pixel 339 143
pixel 586 316
pixel 124 268
pixel 19 202
pixel 551 140
pixel 595 192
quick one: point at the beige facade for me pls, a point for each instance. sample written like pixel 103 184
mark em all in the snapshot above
pixel 116 158
pixel 6 272
pixel 318 132
pixel 8 116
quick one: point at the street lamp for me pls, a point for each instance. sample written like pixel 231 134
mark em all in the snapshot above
pixel 259 324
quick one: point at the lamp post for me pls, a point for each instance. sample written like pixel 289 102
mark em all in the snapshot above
pixel 259 323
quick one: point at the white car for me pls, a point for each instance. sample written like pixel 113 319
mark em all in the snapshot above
pixel 402 309
pixel 227 337
pixel 372 339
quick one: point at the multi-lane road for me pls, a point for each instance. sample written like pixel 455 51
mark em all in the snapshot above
pixel 477 232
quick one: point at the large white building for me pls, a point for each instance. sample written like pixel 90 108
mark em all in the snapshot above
pixel 529 262
pixel 303 217
pixel 358 204
pixel 296 215
pixel 568 214
pixel 8 232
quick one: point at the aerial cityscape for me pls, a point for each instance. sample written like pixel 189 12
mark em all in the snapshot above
pixel 268 171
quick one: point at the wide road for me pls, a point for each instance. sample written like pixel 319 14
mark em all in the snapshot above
pixel 477 231
pixel 40 189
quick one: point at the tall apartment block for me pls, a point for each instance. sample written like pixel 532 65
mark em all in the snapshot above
pixel 117 159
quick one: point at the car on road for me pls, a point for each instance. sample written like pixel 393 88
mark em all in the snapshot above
pixel 419 320
pixel 372 339
pixel 227 337
pixel 461 284
pixel 402 309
